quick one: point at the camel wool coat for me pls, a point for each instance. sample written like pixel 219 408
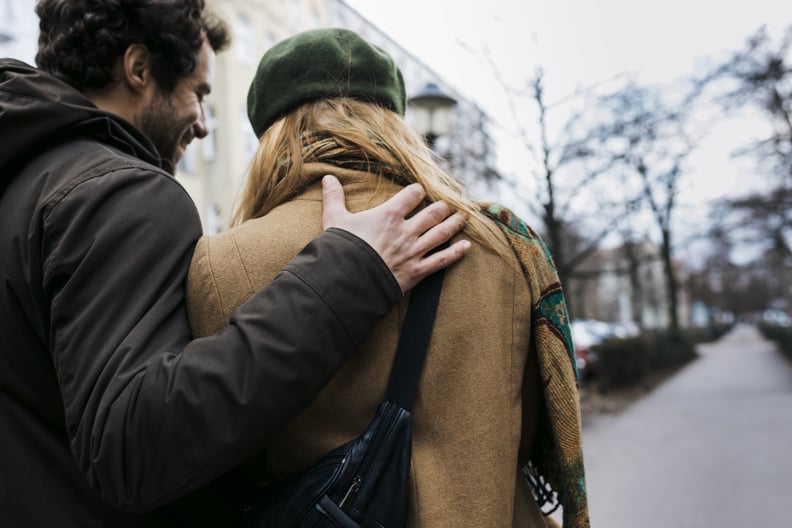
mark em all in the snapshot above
pixel 476 410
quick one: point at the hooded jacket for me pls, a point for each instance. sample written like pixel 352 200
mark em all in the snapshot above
pixel 108 411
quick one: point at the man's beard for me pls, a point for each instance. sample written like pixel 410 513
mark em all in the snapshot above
pixel 160 123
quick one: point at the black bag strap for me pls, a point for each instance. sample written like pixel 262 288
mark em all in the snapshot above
pixel 414 340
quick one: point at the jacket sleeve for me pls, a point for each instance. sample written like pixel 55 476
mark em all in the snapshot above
pixel 151 415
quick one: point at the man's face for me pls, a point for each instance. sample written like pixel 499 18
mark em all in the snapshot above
pixel 172 120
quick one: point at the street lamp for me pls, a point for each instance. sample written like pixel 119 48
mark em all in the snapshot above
pixel 431 113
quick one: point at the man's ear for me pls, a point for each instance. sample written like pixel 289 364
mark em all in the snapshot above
pixel 136 64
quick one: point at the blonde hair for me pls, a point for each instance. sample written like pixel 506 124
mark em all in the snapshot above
pixel 368 131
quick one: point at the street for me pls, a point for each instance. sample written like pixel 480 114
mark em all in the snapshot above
pixel 711 447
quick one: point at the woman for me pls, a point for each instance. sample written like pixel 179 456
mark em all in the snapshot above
pixel 327 101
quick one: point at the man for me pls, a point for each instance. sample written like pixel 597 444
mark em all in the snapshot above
pixel 109 415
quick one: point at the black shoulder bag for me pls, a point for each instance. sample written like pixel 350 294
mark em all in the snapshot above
pixel 363 483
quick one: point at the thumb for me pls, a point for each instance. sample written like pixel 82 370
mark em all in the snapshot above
pixel 334 207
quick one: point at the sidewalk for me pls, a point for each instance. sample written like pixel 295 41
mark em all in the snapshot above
pixel 712 446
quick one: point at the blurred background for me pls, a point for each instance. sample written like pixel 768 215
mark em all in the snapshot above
pixel 650 144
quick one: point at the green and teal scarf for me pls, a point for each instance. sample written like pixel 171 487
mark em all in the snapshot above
pixel 555 469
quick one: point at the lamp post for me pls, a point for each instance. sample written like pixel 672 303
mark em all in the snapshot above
pixel 431 113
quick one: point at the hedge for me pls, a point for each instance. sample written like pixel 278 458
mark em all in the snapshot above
pixel 626 362
pixel 781 335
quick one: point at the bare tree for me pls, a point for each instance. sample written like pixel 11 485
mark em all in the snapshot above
pixel 769 213
pixel 760 76
pixel 647 137
pixel 566 168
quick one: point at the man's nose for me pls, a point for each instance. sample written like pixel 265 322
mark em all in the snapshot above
pixel 200 128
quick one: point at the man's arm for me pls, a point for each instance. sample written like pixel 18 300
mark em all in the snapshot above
pixel 402 243
pixel 151 415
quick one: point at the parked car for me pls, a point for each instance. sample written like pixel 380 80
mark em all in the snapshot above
pixel 587 333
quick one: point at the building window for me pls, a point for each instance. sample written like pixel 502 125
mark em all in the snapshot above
pixel 188 163
pixel 249 140
pixel 313 18
pixel 7 20
pixel 245 43
pixel 270 39
pixel 214 220
pixel 210 142
pixel 295 16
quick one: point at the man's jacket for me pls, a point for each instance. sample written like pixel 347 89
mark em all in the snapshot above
pixel 108 412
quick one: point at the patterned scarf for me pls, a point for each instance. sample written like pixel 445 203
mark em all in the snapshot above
pixel 555 470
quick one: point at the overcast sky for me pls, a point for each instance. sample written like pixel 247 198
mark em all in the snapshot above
pixel 580 43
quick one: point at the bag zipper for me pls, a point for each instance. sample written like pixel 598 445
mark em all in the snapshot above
pixel 349 496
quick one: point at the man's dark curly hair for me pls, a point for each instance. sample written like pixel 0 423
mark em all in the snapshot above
pixel 81 40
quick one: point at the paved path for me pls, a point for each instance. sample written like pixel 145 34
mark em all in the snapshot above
pixel 711 447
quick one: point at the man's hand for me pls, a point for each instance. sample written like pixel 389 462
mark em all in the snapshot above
pixel 403 243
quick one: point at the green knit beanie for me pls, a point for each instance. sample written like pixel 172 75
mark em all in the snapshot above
pixel 319 64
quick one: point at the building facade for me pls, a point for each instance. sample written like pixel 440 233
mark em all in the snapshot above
pixel 627 285
pixel 18 30
pixel 467 150
pixel 213 170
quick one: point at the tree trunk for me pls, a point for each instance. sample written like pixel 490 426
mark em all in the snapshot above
pixel 633 256
pixel 671 282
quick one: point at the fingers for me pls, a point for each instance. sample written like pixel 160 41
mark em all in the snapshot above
pixel 445 257
pixel 430 216
pixel 402 243
pixel 441 232
pixel 420 263
pixel 434 262
pixel 334 208
pixel 406 200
